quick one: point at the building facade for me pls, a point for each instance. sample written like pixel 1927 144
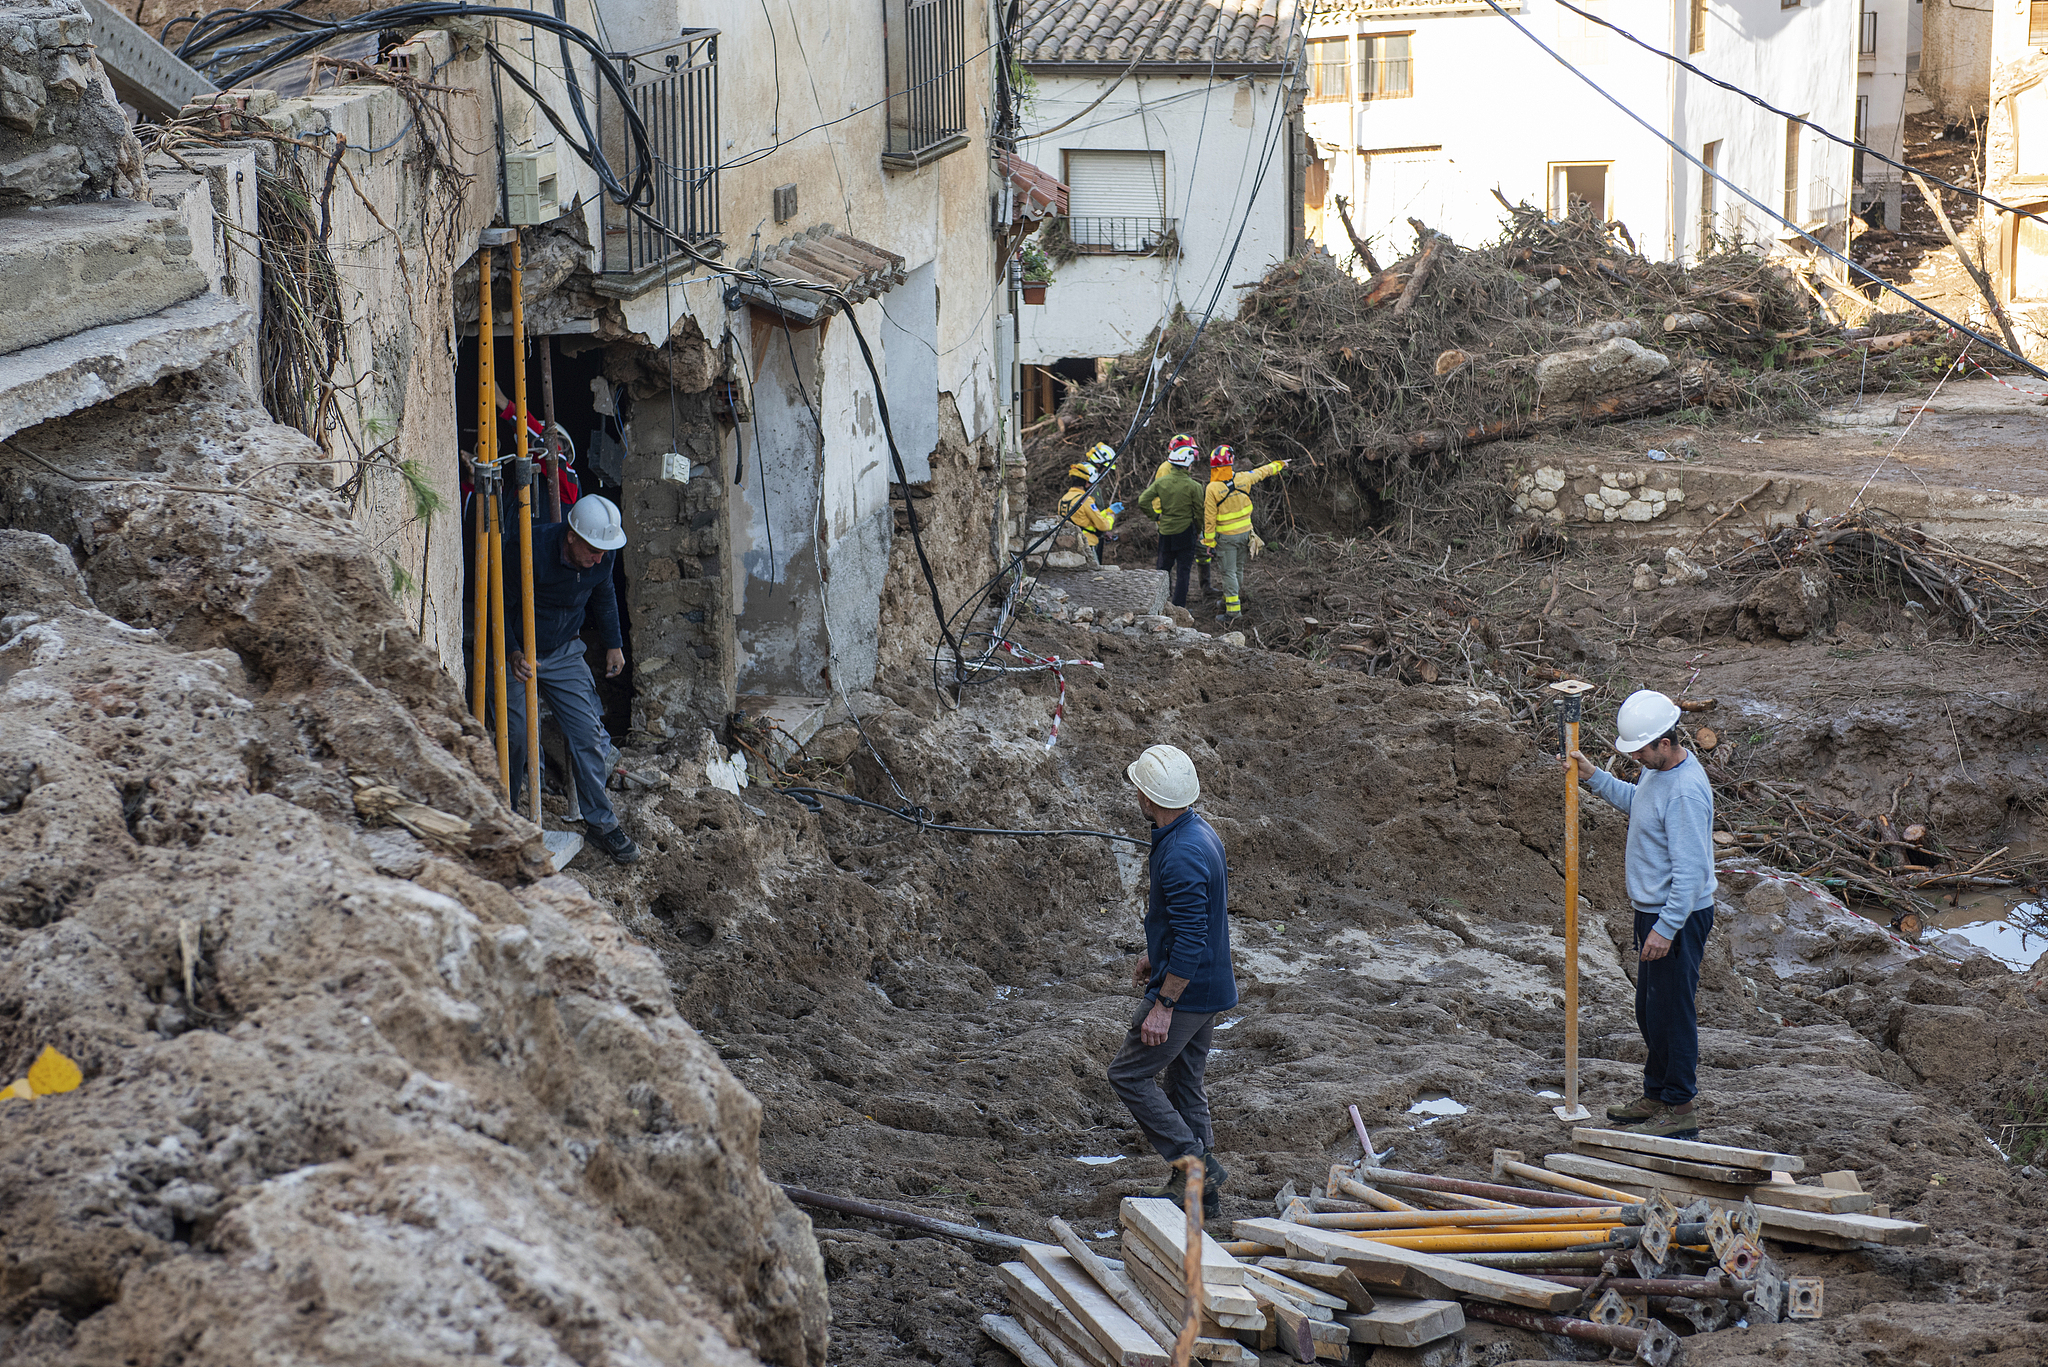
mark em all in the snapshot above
pixel 1178 140
pixel 1393 114
pixel 1887 52
pixel 2016 171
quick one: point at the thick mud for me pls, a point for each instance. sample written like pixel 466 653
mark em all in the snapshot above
pixel 926 1018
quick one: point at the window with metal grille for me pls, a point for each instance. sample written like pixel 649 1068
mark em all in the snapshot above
pixel 1116 201
pixel 1866 44
pixel 1329 69
pixel 1386 66
pixel 1698 26
pixel 925 44
pixel 673 90
pixel 2037 25
pixel 1792 170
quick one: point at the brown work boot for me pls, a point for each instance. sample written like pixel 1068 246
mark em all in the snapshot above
pixel 1642 1108
pixel 1175 1190
pixel 1671 1123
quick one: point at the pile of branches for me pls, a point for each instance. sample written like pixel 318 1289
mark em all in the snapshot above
pixel 1884 859
pixel 1985 601
pixel 1438 352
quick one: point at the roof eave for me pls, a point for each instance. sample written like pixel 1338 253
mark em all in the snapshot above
pixel 1060 68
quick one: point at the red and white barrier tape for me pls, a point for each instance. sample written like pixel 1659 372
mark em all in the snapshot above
pixel 1056 665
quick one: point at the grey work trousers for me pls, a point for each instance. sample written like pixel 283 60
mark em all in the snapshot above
pixel 571 693
pixel 1232 552
pixel 1175 1114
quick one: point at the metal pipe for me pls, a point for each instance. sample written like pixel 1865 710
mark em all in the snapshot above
pixel 547 406
pixel 1652 1343
pixel 1377 1200
pixel 1698 1288
pixel 1511 1262
pixel 1446 1200
pixel 1530 1242
pixel 525 467
pixel 907 1219
pixel 1425 1182
pixel 1529 1172
pixel 479 698
pixel 1595 1216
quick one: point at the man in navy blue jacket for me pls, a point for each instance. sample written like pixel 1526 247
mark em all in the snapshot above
pixel 572 578
pixel 1185 973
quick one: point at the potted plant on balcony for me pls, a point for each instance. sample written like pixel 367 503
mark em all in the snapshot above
pixel 1037 270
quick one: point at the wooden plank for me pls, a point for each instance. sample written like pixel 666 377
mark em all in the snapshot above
pixel 1263 1291
pixel 1216 1343
pixel 1292 1289
pixel 1166 1225
pixel 1778 1219
pixel 1112 1280
pixel 1690 1149
pixel 1019 1344
pixel 1292 1322
pixel 1381 1264
pixel 1121 1336
pixel 1842 1180
pixel 1405 1323
pixel 1033 1300
pixel 1217 1300
pixel 1796 1224
pixel 1327 1277
pixel 1677 1167
pixel 1788 1195
pixel 1052 1345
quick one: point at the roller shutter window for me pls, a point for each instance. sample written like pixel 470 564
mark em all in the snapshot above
pixel 1116 201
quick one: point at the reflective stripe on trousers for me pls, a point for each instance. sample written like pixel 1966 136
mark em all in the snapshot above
pixel 1231 553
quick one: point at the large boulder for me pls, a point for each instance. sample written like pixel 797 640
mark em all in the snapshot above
pixel 1789 604
pixel 1617 363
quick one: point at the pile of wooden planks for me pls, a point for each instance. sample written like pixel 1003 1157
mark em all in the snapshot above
pixel 1834 1213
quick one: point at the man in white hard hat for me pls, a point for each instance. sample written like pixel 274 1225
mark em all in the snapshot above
pixel 1185 974
pixel 572 581
pixel 1670 868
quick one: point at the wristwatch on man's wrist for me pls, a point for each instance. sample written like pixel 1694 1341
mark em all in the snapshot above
pixel 1170 1003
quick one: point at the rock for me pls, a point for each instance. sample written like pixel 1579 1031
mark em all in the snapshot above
pixel 1232 638
pixel 1645 578
pixel 1156 624
pixel 1671 643
pixel 1614 364
pixel 1681 569
pixel 1065 560
pixel 1790 604
pixel 1181 616
pixel 835 744
pixel 1083 616
pixel 62 132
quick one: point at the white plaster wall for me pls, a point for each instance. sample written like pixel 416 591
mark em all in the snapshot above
pixel 1956 56
pixel 1214 134
pixel 1540 114
pixel 1802 60
pixel 1881 77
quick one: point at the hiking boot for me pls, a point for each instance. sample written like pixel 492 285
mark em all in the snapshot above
pixel 1214 1175
pixel 1642 1108
pixel 616 843
pixel 1175 1190
pixel 1670 1124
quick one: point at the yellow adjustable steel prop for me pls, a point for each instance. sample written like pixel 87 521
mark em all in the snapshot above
pixel 525 467
pixel 1570 692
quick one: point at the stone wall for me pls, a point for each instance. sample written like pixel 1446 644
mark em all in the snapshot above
pixel 62 133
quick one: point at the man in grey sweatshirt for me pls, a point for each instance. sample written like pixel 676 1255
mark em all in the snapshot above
pixel 1670 868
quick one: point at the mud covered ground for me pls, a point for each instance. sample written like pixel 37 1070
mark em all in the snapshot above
pixel 926 1018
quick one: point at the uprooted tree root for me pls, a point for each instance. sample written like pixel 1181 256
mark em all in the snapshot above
pixel 1438 353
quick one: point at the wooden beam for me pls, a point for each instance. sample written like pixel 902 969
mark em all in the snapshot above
pixel 1165 1226
pixel 1292 1322
pixel 1328 1277
pixel 1380 1264
pixel 1778 1220
pixel 1690 1149
pixel 1033 1300
pixel 1112 1281
pixel 1292 1289
pixel 1217 1341
pixel 1405 1324
pixel 1789 1195
pixel 1019 1344
pixel 1678 1167
pixel 1221 1301
pixel 1122 1337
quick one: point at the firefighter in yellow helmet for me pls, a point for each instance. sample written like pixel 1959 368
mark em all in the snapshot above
pixel 1183 453
pixel 1078 506
pixel 1227 522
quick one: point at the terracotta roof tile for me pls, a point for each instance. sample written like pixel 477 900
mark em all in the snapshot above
pixel 1157 31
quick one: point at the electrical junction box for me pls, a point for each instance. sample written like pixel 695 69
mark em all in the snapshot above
pixel 785 203
pixel 675 467
pixel 530 187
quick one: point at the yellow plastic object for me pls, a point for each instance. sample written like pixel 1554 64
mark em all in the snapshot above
pixel 18 1090
pixel 52 1073
pixel 526 626
pixel 1493 1241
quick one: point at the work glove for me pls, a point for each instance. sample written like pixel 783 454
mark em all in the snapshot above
pixel 1116 507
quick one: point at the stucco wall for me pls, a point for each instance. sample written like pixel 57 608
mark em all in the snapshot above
pixel 1215 135
pixel 1803 59
pixel 1956 56
pixel 2016 172
pixel 396 235
pixel 1881 80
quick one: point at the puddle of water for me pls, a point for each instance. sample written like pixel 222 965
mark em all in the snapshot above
pixel 1437 1105
pixel 1095 1161
pixel 2014 932
pixel 1551 1096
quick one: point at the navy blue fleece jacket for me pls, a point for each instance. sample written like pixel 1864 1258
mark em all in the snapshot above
pixel 1187 923
pixel 562 594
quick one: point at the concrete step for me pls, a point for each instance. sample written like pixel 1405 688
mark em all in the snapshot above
pixel 72 267
pixel 42 382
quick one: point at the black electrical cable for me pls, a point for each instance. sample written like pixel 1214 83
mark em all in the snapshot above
pixel 808 797
pixel 1765 209
pixel 1762 103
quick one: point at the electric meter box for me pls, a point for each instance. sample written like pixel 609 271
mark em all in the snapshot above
pixel 530 187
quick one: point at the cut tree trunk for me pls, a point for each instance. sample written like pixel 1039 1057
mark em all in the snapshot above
pixel 1687 386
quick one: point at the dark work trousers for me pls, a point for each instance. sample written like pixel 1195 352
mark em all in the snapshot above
pixel 1665 1009
pixel 1175 1114
pixel 1176 557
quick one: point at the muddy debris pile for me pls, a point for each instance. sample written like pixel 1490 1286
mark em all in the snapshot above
pixel 1557 324
pixel 346 1094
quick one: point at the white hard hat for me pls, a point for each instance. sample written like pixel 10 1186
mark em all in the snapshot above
pixel 1184 456
pixel 1165 774
pixel 595 518
pixel 1645 715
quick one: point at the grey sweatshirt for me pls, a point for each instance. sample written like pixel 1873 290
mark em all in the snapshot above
pixel 1670 840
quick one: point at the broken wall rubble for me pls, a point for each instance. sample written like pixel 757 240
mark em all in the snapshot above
pixel 62 133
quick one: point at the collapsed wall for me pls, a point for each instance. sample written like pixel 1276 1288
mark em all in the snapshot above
pixel 62 133
pixel 348 1094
